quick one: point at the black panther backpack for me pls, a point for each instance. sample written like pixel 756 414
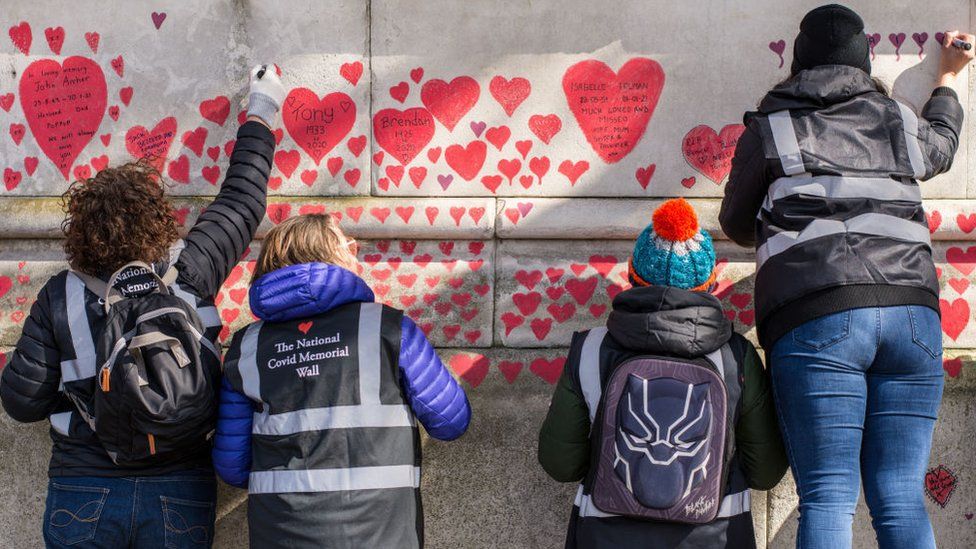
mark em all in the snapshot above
pixel 663 436
pixel 156 374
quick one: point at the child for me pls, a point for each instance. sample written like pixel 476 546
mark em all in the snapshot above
pixel 644 412
pixel 97 497
pixel 319 400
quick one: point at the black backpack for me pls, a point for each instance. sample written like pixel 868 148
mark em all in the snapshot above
pixel 663 436
pixel 156 374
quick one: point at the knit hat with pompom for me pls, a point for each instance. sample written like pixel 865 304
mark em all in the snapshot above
pixel 674 251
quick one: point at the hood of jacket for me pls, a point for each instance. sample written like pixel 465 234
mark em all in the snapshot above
pixel 818 88
pixel 308 289
pixel 668 321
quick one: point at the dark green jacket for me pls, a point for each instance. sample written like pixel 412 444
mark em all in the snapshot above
pixel 655 320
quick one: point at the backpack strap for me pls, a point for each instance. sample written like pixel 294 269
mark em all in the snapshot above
pixel 589 370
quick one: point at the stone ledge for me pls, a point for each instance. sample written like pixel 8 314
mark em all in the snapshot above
pixel 467 218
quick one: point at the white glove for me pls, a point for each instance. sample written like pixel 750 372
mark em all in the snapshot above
pixel 266 94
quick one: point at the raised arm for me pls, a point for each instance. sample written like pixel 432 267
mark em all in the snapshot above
pixel 434 396
pixel 224 230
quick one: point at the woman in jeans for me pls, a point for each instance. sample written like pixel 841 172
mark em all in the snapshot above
pixel 823 184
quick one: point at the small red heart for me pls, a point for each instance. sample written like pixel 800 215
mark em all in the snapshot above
pixel 304 327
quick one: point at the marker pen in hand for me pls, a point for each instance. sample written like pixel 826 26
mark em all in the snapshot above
pixel 265 68
pixel 957 43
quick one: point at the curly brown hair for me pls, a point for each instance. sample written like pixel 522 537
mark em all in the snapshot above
pixel 119 215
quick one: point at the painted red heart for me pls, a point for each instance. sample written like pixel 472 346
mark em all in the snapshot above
pixel 934 219
pixel 548 370
pixel 417 74
pixel 467 160
pixel 6 101
pixel 93 38
pixel 287 161
pixel 955 316
pixel 216 110
pixel 511 321
pixel 581 290
pixel 17 132
pixel 55 38
pixel 400 91
pixel 470 367
pixel 211 174
pixel 64 105
pixel 11 178
pixel 966 222
pixel 711 153
pixel 561 313
pixel 334 164
pixel 963 261
pixel 523 147
pixel 352 71
pixel 639 77
pixel 20 34
pixel 959 284
pixel 304 327
pixel 449 102
pixel 318 125
pixel 498 136
pixel 100 162
pixel 179 169
pixel 405 133
pixel 118 65
pixel 573 170
pixel 952 367
pixel 509 93
pixel 541 327
pixel 195 140
pixel 545 127
pixel 688 182
pixel 527 303
pixel 509 168
pixel 153 145
pixel 279 212
pixel 644 175
pixel 356 145
pixel 510 369
pixel 30 164
pixel 352 176
pixel 528 278
pixel 6 283
pixel 940 483
pixel 492 182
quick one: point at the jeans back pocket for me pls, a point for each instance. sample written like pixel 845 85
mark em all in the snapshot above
pixel 73 512
pixel 188 523
pixel 820 333
pixel 926 329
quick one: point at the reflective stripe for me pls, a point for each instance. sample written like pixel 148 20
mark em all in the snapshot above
pixel 208 315
pixel 586 507
pixel 871 223
pixel 835 186
pixel 61 422
pixel 83 365
pixel 370 316
pixel 336 417
pixel 334 480
pixel 909 122
pixel 589 369
pixel 247 365
pixel 784 137
pixel 732 505
pixel 735 504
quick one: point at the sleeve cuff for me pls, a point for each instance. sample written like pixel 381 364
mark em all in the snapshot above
pixel 945 91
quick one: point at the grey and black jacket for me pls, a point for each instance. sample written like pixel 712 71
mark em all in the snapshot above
pixel 51 347
pixel 824 185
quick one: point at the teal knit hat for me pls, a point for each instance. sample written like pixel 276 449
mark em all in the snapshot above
pixel 673 250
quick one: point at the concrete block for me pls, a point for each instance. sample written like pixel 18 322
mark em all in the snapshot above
pixel 199 58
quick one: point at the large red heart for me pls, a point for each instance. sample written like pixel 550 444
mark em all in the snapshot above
pixel 318 125
pixel 470 367
pixel 64 105
pixel 613 109
pixel 154 145
pixel 955 316
pixel 711 153
pixel 405 133
pixel 509 93
pixel 450 102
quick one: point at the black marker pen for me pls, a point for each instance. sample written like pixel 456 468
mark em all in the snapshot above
pixel 265 67
pixel 961 44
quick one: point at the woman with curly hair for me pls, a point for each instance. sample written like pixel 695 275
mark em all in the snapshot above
pixel 119 216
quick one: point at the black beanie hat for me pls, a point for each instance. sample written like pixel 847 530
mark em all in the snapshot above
pixel 831 35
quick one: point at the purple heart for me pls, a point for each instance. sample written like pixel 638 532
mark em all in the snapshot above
pixel 897 39
pixel 445 180
pixel 920 38
pixel 940 37
pixel 478 128
pixel 158 18
pixel 873 40
pixel 969 516
pixel 779 46
pixel 524 208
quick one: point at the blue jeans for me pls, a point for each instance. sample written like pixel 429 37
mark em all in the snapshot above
pixel 857 394
pixel 172 511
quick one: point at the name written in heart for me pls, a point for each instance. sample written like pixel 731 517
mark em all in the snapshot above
pixel 318 125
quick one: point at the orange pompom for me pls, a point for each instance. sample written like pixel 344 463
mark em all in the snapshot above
pixel 675 220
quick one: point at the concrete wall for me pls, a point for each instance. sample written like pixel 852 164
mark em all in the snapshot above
pixel 520 196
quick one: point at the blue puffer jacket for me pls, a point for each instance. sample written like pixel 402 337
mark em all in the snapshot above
pixel 300 291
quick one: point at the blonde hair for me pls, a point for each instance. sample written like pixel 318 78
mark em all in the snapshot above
pixel 306 238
